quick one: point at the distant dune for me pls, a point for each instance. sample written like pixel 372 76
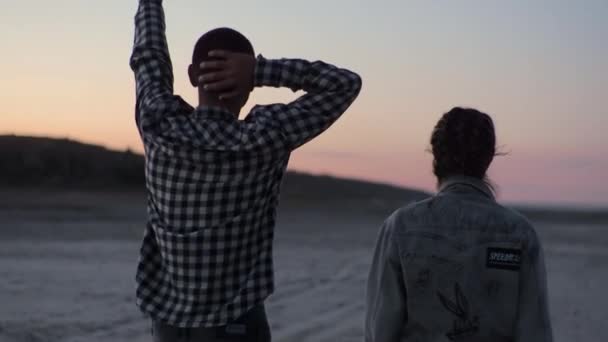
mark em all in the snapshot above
pixel 62 164
pixel 29 162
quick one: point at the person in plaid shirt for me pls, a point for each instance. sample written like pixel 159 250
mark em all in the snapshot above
pixel 213 181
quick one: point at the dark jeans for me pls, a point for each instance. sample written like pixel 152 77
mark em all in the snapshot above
pixel 251 327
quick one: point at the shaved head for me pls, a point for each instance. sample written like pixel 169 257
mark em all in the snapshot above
pixel 220 39
pixel 224 39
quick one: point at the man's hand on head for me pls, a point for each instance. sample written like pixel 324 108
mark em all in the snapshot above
pixel 230 75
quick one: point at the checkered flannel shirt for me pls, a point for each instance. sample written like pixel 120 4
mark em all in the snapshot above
pixel 213 180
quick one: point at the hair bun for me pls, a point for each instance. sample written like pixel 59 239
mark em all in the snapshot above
pixel 463 143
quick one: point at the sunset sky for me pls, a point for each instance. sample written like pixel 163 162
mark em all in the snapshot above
pixel 540 68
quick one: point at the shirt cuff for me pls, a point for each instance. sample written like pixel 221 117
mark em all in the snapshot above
pixel 267 72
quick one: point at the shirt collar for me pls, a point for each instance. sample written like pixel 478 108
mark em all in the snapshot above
pixel 215 112
pixel 465 184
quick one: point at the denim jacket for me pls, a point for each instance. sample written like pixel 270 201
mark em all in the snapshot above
pixel 457 267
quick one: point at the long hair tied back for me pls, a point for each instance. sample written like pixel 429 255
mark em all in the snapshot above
pixel 463 143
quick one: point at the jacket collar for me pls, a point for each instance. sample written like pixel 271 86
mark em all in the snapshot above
pixel 466 185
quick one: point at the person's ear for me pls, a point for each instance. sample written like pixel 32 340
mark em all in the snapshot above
pixel 193 75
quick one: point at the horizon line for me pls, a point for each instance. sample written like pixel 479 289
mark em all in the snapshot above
pixel 530 204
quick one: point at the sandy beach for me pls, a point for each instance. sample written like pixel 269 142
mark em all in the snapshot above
pixel 67 263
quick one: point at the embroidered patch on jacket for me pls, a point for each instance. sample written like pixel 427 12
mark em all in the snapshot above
pixel 504 258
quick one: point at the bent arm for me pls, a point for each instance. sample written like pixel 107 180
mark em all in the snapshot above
pixel 329 93
pixel 386 311
pixel 151 63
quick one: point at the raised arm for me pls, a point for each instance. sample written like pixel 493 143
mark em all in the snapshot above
pixel 329 92
pixel 151 63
